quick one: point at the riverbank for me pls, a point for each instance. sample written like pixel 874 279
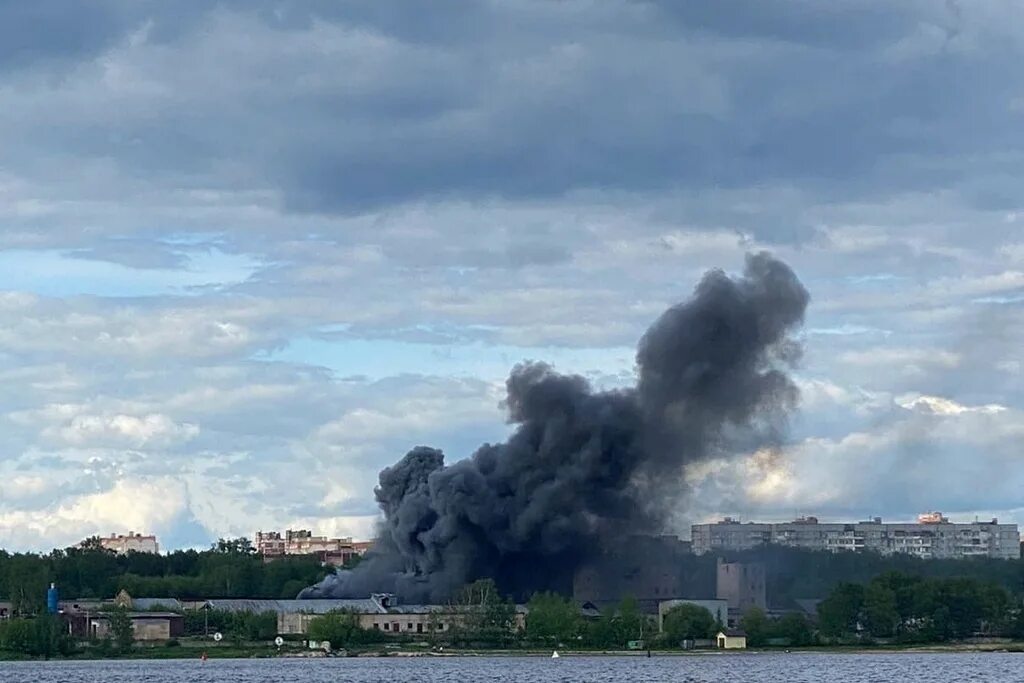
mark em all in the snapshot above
pixel 197 649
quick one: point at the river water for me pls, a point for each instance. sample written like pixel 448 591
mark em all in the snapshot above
pixel 731 668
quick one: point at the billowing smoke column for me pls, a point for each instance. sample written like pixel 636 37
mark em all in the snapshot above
pixel 584 468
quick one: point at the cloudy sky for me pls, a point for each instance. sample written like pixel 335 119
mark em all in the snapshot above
pixel 253 251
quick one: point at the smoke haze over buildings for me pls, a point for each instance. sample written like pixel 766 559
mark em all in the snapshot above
pixel 585 467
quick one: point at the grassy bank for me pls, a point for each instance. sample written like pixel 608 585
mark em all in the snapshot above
pixel 195 649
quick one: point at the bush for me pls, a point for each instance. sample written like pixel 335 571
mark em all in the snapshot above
pixel 38 637
pixel 341 629
pixel 688 622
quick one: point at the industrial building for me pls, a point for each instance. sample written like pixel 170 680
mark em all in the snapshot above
pixel 331 551
pixel 650 569
pixel 742 586
pixel 146 626
pixel 380 612
pixel 932 536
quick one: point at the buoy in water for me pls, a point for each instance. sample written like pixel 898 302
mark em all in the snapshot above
pixel 554 655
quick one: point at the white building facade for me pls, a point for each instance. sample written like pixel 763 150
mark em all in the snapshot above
pixel 132 543
pixel 933 536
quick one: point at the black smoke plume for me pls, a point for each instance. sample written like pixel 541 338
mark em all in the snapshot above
pixel 586 468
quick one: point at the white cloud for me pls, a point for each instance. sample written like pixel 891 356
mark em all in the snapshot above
pixel 434 188
pixel 130 505
pixel 908 358
pixel 943 406
pixel 128 430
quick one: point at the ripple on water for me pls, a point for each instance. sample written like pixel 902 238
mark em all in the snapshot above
pixel 740 668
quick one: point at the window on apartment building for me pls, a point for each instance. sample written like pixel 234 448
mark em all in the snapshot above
pixel 376 625
pixel 387 626
pixel 440 627
pixel 408 626
pixel 419 628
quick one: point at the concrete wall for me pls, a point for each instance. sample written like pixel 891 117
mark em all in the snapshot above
pixel 143 629
pixel 152 629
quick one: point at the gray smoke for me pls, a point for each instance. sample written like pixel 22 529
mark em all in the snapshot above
pixel 585 468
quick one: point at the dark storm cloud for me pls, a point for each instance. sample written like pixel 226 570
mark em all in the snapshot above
pixel 51 32
pixel 853 24
pixel 376 104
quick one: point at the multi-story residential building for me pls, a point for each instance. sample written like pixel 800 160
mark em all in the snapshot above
pixel 122 545
pixel 334 551
pixel 933 536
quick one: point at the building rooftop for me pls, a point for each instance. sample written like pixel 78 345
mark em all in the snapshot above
pixel 146 604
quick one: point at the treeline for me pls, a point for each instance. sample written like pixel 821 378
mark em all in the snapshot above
pixel 794 573
pixel 912 609
pixel 230 569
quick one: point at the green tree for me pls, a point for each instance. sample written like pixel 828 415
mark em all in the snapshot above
pixel 26 578
pixel 251 625
pixel 50 637
pixel 794 628
pixel 688 622
pixel 839 613
pixel 486 616
pixel 755 623
pixel 552 618
pixel 43 636
pixel 121 628
pixel 630 623
pixel 18 636
pixel 881 615
pixel 93 544
pixel 234 546
pixel 341 629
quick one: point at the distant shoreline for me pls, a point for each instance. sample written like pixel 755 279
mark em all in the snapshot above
pixel 193 653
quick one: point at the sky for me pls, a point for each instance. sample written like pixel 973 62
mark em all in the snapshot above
pixel 251 252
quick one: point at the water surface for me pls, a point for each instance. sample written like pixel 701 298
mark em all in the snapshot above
pixel 731 668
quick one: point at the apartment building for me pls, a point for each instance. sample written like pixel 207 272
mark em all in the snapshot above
pixel 932 536
pixel 334 551
pixel 124 544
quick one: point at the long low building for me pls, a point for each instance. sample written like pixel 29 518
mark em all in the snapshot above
pixel 379 612
pixel 933 536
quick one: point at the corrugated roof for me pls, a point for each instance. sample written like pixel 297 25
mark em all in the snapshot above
pixel 361 606
pixel 446 609
pixel 416 609
pixel 142 615
pixel 152 603
pixel 294 606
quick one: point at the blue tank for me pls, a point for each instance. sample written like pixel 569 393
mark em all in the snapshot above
pixel 52 599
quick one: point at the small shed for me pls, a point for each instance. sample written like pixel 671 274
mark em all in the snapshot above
pixel 732 639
